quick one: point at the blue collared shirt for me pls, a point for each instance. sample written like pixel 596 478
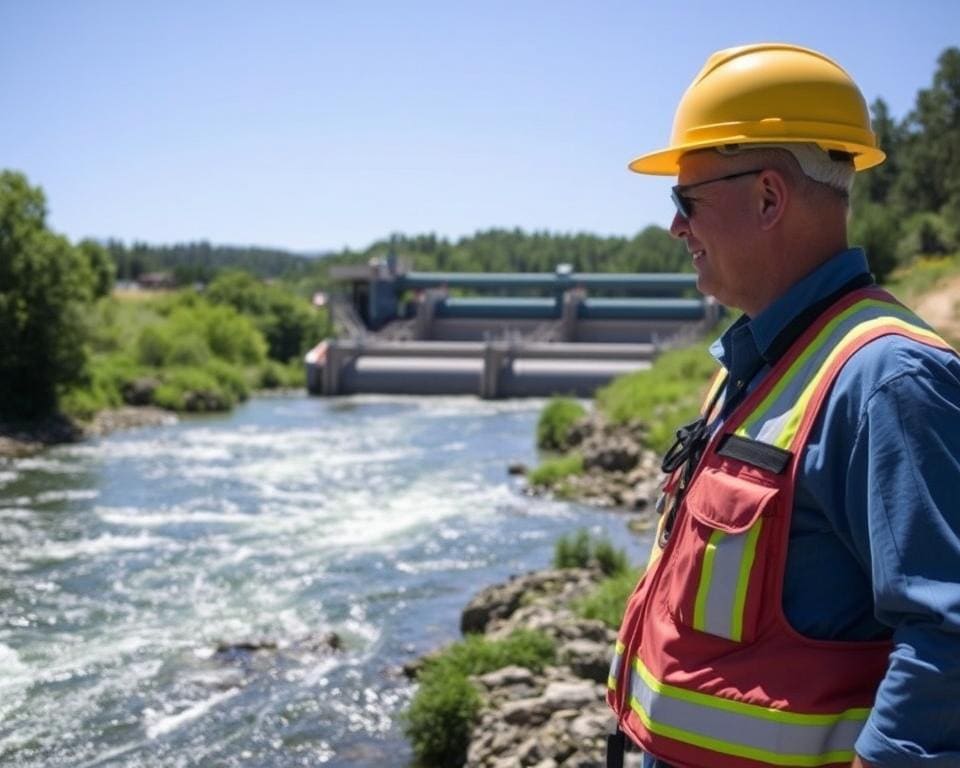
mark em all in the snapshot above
pixel 874 546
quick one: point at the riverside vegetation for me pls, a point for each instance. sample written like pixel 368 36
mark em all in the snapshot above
pixel 70 349
pixel 524 686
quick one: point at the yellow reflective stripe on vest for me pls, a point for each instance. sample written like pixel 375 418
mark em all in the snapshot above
pixel 775 419
pixel 792 423
pixel 615 666
pixel 724 578
pixel 719 379
pixel 744 730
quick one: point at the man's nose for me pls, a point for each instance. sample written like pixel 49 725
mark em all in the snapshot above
pixel 679 227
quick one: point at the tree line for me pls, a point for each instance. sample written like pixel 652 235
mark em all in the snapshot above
pixel 910 205
pixel 199 262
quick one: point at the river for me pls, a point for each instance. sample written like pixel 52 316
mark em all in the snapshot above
pixel 127 562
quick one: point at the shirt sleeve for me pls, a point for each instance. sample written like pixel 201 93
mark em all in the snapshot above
pixel 904 480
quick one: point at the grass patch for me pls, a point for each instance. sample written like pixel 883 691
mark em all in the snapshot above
pixel 666 395
pixel 552 471
pixel 909 283
pixel 609 601
pixel 581 550
pixel 446 705
pixel 555 421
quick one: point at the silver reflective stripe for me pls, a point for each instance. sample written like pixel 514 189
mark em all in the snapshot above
pixel 716 606
pixel 744 730
pixel 614 674
pixel 766 423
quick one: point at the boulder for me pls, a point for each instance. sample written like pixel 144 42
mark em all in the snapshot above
pixel 587 659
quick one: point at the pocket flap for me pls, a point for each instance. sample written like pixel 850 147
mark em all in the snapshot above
pixel 729 503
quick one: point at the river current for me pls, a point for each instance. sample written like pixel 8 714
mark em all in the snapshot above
pixel 167 594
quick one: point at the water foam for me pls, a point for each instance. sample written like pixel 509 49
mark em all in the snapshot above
pixel 157 724
pixel 100 545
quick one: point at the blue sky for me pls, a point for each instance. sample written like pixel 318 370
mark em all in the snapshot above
pixel 318 125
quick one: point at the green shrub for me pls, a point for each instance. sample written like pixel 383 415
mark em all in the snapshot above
pixel 82 403
pixel 581 550
pixel 231 336
pixel 556 419
pixel 230 377
pixel 446 705
pixel 572 551
pixel 193 332
pixel 610 560
pixel 194 390
pixel 877 232
pixel 552 471
pixel 154 346
pixel 925 234
pixel 608 602
pixel 440 717
pixel 290 324
pixel 272 375
pixel 188 349
pixel 101 388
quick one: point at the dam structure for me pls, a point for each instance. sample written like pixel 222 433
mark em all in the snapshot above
pixel 498 334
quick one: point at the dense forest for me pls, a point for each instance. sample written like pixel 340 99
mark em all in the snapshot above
pixel 910 205
pixel 65 342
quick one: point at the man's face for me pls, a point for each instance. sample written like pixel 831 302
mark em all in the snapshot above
pixel 721 229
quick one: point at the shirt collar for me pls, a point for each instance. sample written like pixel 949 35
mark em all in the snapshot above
pixel 759 333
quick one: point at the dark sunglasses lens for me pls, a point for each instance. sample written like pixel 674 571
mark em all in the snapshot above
pixel 682 204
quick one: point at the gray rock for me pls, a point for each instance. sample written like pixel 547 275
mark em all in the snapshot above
pixel 569 695
pixel 140 390
pixel 588 659
pixel 531 711
pixel 547 763
pixel 507 676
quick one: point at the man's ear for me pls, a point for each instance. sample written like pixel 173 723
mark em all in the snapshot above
pixel 773 198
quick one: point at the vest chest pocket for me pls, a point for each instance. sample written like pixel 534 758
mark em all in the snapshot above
pixel 716 576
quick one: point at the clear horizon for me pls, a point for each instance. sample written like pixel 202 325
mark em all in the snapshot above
pixel 310 127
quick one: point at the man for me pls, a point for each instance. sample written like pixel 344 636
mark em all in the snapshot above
pixel 802 604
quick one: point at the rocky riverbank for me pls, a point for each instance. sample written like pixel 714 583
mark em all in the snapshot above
pixel 25 439
pixel 618 470
pixel 559 717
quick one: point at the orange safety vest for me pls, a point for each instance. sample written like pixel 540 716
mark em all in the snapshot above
pixel 707 672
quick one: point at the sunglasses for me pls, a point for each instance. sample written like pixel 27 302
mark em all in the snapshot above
pixel 684 204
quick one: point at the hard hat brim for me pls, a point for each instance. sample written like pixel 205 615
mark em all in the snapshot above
pixel 666 162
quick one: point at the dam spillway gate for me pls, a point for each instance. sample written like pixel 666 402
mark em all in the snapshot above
pixel 405 332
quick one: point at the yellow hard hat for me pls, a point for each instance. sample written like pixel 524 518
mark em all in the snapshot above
pixel 770 93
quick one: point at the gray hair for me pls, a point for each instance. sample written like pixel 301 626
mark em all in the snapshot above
pixel 829 167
